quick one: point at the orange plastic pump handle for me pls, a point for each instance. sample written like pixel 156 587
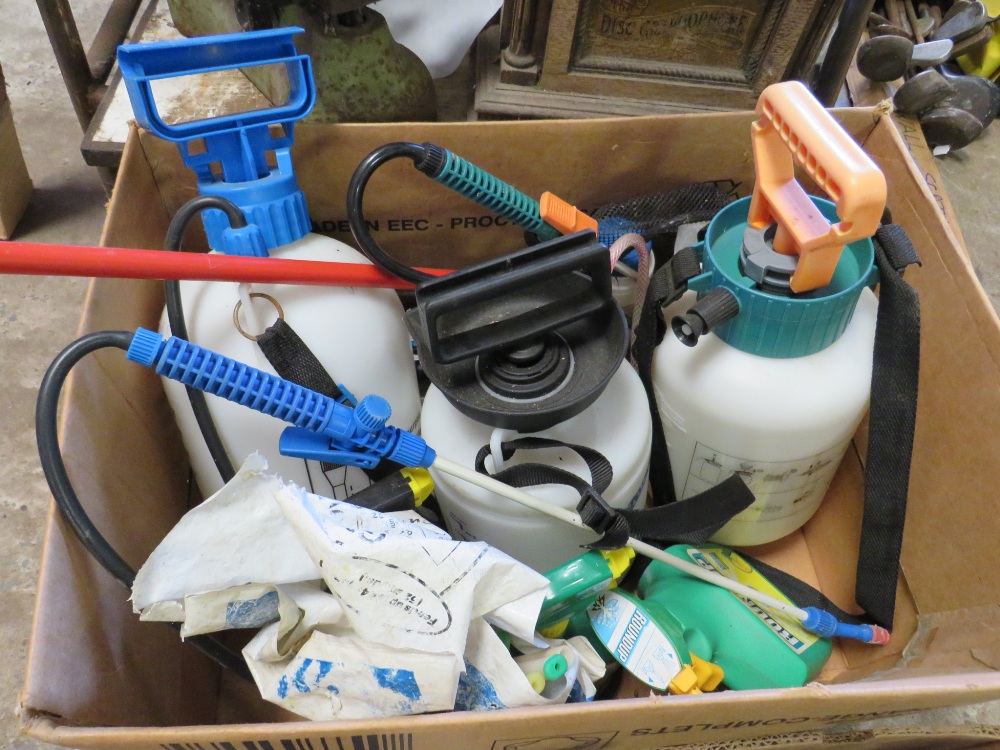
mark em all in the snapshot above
pixel 794 128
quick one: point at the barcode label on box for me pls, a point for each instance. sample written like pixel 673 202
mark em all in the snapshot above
pixel 354 742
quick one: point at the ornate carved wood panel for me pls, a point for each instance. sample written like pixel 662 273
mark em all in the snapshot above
pixel 602 56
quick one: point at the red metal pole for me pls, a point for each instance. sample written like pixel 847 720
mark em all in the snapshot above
pixel 37 259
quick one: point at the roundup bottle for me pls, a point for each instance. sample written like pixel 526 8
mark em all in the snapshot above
pixel 526 354
pixel 356 334
pixel 676 620
pixel 769 374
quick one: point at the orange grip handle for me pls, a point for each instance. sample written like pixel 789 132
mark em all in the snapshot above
pixel 795 128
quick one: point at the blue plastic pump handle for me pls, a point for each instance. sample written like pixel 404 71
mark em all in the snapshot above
pixel 361 430
pixel 239 142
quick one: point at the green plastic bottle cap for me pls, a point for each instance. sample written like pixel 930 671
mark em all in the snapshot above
pixel 555 667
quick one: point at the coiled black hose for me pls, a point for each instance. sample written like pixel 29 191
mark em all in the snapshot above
pixel 178 325
pixel 355 211
pixel 54 468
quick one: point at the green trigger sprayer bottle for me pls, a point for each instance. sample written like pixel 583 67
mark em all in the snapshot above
pixel 755 647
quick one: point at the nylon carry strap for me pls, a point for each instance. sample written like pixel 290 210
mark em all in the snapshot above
pixel 293 360
pixel 668 284
pixel 692 521
pixel 892 419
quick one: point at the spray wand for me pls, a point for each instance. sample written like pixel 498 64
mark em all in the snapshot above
pixel 812 618
pixel 328 430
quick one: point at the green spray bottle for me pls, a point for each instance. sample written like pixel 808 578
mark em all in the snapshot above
pixel 755 647
pixel 574 585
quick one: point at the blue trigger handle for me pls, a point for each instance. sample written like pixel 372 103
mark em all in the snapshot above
pixel 337 433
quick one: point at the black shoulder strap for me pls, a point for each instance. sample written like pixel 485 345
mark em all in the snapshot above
pixel 293 360
pixel 693 520
pixel 892 419
pixel 668 284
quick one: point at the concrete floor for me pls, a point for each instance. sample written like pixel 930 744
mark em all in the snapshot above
pixel 39 315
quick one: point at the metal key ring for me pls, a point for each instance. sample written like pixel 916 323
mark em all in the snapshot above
pixel 254 295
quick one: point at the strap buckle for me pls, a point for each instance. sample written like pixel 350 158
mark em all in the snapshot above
pixel 602 518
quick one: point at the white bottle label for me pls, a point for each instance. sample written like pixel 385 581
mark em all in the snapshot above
pixel 782 488
pixel 635 640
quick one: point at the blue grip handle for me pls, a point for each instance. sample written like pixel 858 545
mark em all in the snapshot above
pixel 238 141
pixel 362 428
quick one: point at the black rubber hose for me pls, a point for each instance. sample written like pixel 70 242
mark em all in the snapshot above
pixel 54 468
pixel 178 325
pixel 355 212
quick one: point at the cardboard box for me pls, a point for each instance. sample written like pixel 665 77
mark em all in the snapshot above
pixel 15 184
pixel 97 677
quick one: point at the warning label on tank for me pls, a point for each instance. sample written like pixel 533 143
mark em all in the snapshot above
pixel 782 488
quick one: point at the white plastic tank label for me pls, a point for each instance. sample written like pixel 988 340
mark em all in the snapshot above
pixel 635 640
pixel 782 488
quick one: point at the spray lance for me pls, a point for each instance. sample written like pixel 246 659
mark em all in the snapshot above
pixel 329 430
pixel 547 218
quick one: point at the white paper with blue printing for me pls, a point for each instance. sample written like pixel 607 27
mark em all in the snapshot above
pixel 237 536
pixel 407 614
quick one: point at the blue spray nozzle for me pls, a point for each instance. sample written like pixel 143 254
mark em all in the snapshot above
pixel 324 428
pixel 238 143
pixel 825 624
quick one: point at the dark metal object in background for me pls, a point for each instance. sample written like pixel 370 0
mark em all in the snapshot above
pixel 886 58
pixel 833 70
pixel 86 73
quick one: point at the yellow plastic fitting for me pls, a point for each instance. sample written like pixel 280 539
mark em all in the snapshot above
pixel 619 560
pixel 699 676
pixel 537 681
pixel 562 216
pixel 709 673
pixel 793 127
pixel 420 483
pixel 684 683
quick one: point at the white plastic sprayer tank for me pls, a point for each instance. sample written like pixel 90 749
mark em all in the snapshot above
pixel 617 425
pixel 783 425
pixel 357 334
pixel 533 343
pixel 775 394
